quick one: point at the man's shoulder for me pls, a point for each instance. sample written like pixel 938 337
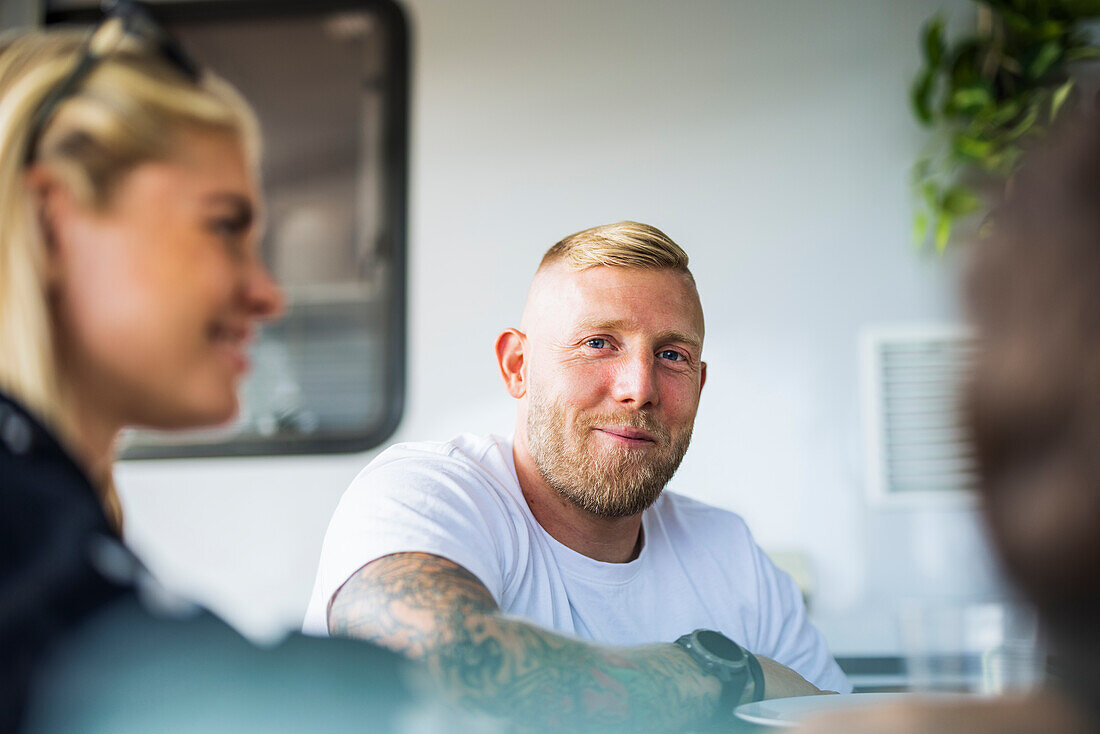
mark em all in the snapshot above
pixel 463 463
pixel 455 499
pixel 489 452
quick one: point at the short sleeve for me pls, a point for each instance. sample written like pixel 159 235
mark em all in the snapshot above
pixel 786 634
pixel 413 504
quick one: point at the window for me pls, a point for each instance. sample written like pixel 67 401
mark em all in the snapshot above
pixel 916 452
pixel 329 81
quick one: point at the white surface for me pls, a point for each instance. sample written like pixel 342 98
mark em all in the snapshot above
pixel 773 141
pixel 788 712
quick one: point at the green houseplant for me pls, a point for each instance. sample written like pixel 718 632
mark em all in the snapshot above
pixel 987 95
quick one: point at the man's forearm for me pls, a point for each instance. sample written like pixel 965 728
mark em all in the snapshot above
pixel 436 611
pixel 503 664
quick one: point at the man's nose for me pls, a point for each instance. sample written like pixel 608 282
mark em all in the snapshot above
pixel 635 381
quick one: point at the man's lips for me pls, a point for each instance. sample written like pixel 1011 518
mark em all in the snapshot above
pixel 631 435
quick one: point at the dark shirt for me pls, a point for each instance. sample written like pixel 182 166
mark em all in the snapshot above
pixel 48 514
pixel 90 642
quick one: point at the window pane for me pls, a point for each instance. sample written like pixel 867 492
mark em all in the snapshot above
pixel 329 83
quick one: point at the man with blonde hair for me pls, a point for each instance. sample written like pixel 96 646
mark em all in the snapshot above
pixel 467 554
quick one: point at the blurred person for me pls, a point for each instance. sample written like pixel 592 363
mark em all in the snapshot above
pixel 130 286
pixel 548 574
pixel 1033 412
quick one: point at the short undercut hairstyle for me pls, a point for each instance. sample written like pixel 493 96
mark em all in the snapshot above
pixel 623 245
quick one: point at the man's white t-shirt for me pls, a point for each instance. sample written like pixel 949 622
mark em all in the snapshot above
pixel 698 566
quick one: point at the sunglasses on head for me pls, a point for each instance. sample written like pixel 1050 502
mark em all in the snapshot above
pixel 121 19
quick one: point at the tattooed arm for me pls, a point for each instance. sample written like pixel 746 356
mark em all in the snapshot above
pixel 434 610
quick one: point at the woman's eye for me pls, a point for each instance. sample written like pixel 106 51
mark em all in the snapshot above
pixel 230 228
pixel 597 343
pixel 671 355
pixel 233 233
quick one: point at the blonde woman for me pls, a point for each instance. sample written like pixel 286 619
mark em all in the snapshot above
pixel 130 285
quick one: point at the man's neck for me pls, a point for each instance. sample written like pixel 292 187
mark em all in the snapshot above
pixel 611 540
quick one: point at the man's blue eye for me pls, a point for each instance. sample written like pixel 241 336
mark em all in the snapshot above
pixel 597 343
pixel 671 355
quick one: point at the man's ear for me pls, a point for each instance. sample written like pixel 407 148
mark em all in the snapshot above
pixel 702 375
pixel 510 349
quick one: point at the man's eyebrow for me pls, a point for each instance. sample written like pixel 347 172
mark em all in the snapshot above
pixel 626 325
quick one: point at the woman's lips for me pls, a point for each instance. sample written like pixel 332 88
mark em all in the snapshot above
pixel 233 342
pixel 238 355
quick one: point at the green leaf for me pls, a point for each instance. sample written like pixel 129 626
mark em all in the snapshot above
pixel 958 201
pixel 1003 113
pixel 921 94
pixel 1015 19
pixel 1051 29
pixel 1059 98
pixel 930 193
pixel 1085 53
pixel 971 98
pixel 932 41
pixel 970 147
pixel 1028 120
pixel 943 232
pixel 1004 161
pixel 922 170
pixel 966 62
pixel 1047 54
pixel 920 227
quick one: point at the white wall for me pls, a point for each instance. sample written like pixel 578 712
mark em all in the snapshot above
pixel 772 140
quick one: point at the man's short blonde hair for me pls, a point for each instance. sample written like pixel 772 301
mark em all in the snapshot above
pixel 623 244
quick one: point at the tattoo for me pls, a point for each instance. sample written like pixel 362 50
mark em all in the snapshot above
pixel 436 611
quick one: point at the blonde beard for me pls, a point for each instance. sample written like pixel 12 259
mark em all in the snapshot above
pixel 619 481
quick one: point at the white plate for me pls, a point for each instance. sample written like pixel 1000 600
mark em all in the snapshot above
pixel 786 712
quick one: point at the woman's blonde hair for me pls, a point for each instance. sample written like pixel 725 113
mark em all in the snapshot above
pixel 130 109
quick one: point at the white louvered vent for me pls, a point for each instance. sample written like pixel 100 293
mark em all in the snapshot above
pixel 911 383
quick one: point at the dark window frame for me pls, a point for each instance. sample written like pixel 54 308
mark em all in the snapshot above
pixel 395 167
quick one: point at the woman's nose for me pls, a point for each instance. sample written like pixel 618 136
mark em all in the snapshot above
pixel 264 296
